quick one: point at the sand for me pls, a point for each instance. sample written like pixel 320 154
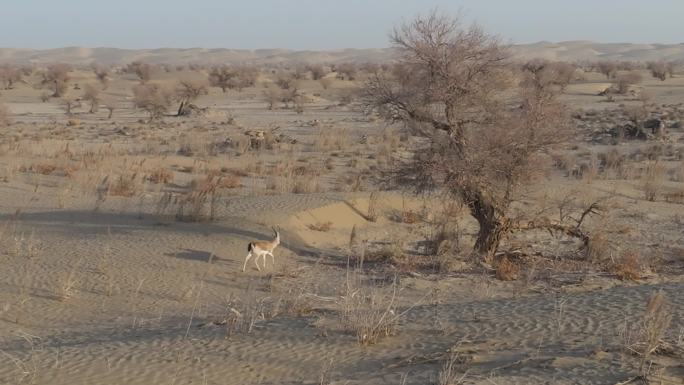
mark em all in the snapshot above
pixel 110 289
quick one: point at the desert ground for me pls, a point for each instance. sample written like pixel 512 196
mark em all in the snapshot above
pixel 123 241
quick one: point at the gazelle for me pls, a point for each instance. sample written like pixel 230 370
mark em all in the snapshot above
pixel 262 249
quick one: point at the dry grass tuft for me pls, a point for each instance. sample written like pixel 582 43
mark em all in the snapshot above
pixel 372 213
pixel 656 321
pixel 652 181
pixel 367 313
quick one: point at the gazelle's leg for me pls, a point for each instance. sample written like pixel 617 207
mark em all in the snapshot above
pixel 249 255
pixel 256 261
pixel 272 259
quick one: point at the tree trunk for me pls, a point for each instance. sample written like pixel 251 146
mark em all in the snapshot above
pixel 493 225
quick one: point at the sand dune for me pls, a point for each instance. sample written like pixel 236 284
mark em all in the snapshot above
pixel 569 51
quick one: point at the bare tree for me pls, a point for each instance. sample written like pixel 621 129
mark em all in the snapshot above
pixel 102 74
pixel 152 98
pixel 545 75
pixel 226 77
pixel 317 71
pixel 272 96
pixel 476 146
pixel 9 75
pixel 658 70
pixel 91 94
pixel 608 68
pixel 285 82
pixel 142 70
pixel 346 71
pixel 671 68
pixel 187 91
pixel 56 77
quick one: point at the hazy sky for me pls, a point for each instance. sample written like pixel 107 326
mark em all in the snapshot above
pixel 322 24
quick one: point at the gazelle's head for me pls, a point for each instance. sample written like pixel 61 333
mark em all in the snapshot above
pixel 276 233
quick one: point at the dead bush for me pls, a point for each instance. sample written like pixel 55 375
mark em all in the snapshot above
pixel 125 185
pixel 628 266
pixel 56 77
pixel 160 175
pixel 625 81
pixel 142 70
pixel 152 98
pixel 507 270
pixel 91 94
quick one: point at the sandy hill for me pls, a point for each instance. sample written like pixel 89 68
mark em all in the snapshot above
pixel 568 51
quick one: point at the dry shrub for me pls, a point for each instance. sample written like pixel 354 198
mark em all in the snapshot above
pixel 125 185
pixel 192 207
pixel 195 205
pixel 367 313
pixel 507 270
pixel 628 266
pixel 392 253
pixel 652 181
pixel 160 175
pixel 66 285
pixel 656 321
pixel 320 226
pixel 598 246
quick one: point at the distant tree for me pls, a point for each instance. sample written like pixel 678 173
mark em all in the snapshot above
pixel 91 94
pixel 299 72
pixel 152 98
pixel 56 77
pixel 624 81
pixel 9 75
pixel 142 70
pixel 671 68
pixel 544 75
pixel 285 82
pixel 272 96
pixel 658 70
pixel 187 91
pixel 102 74
pixel 346 71
pixel 227 77
pixel 608 68
pixel 317 71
